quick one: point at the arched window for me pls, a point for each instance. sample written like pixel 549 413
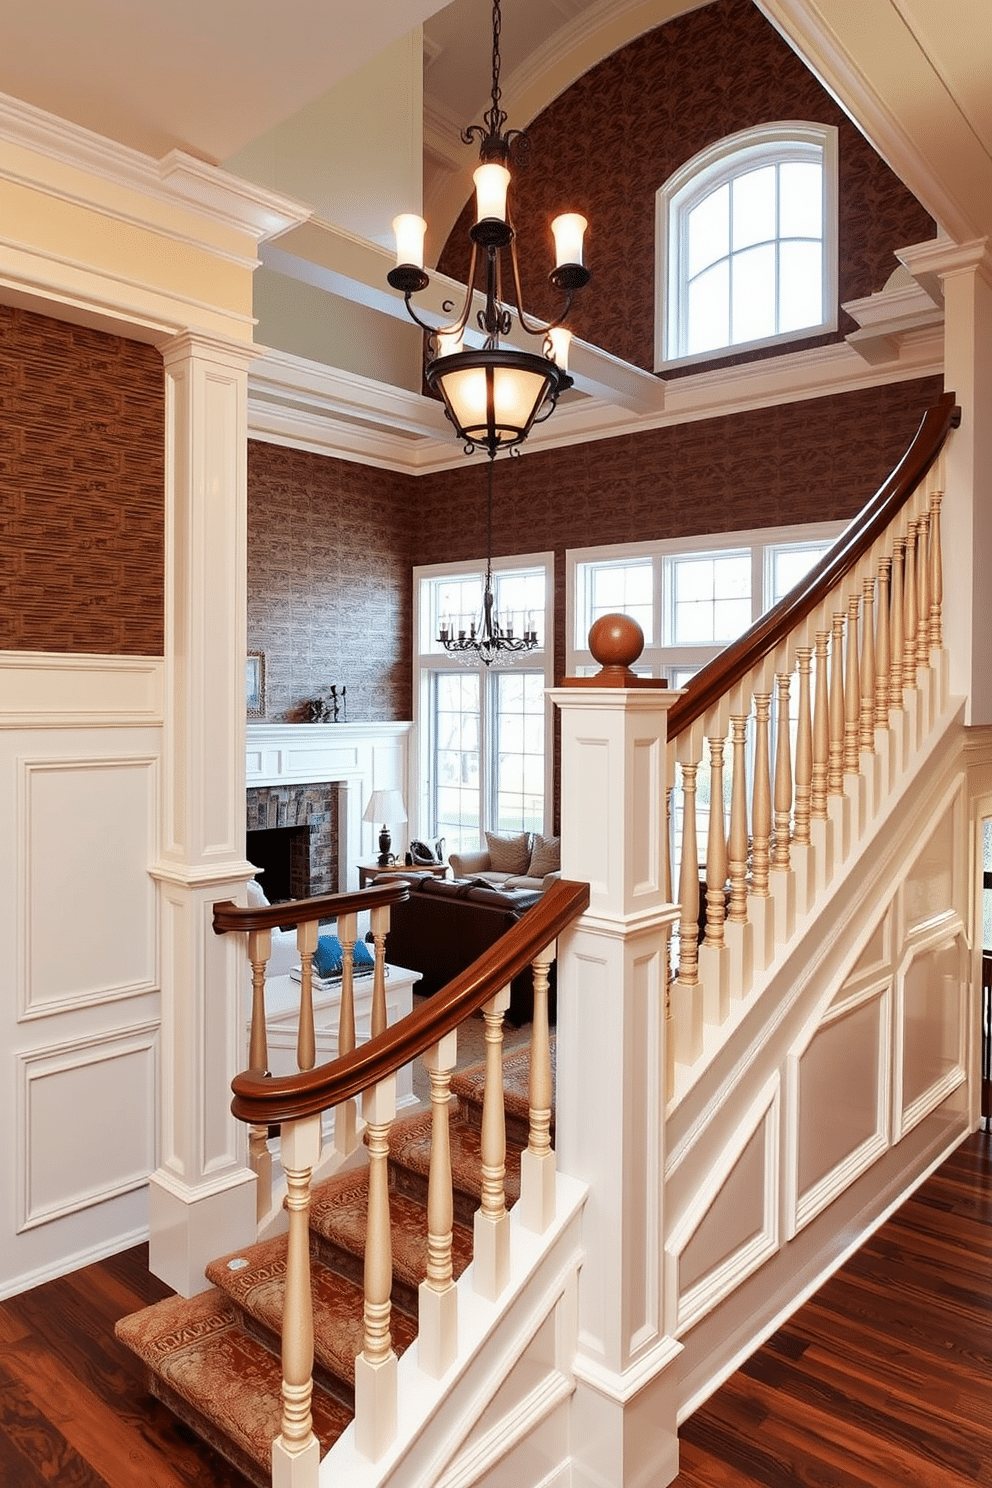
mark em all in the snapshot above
pixel 747 243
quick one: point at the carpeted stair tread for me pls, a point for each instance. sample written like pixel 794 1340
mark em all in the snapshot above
pixel 338 1216
pixel 410 1152
pixel 224 1383
pixel 470 1087
pixel 257 1291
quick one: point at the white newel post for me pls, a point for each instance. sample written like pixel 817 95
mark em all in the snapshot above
pixel 613 972
pixel 202 1196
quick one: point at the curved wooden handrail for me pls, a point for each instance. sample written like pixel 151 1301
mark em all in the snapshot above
pixel 231 916
pixel 264 1101
pixel 712 681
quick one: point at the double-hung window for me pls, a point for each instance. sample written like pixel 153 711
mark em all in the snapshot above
pixel 746 236
pixel 483 731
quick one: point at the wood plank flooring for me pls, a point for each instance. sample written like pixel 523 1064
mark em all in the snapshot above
pixel 883 1379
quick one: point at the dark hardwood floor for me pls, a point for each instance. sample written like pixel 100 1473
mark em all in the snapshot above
pixel 884 1379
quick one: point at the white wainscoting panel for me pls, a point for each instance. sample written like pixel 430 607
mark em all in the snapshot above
pixel 930 1028
pixel 75 1148
pixel 930 890
pixel 86 835
pixel 875 961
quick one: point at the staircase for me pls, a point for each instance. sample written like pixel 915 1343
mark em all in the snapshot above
pixel 214 1359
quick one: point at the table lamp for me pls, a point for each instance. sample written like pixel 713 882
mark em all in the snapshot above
pixel 385 806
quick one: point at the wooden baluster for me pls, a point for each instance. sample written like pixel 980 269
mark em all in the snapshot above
pixel 821 730
pixel 804 750
pixel 897 610
pixel 437 1339
pixel 910 610
pixel 375 1366
pixel 300 1150
pixel 737 848
pixel 867 739
pixel 716 851
pixel 306 1048
pixel 852 691
pixel 689 884
pixel 883 650
pixel 259 1157
pixel 492 1234
pixel 936 572
pixel 923 589
pixel 667 852
pixel 537 1163
pixel 761 801
pixel 345 1123
pixel 380 926
pixel 835 761
pixel 781 856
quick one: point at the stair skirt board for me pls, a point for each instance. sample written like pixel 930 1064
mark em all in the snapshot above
pixel 214 1359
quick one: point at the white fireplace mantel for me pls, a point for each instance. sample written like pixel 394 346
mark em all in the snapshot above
pixel 358 757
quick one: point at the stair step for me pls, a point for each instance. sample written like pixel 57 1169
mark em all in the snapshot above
pixel 257 1290
pixel 338 1218
pixel 224 1384
pixel 470 1085
pixel 410 1155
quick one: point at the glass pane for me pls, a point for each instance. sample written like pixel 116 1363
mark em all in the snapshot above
pixel 800 286
pixel 519 751
pixel 711 598
pixel 732 576
pixel 620 588
pixel 520 601
pixel 455 602
pixel 753 214
pixel 709 310
pixel 789 565
pixel 693 579
pixel 456 760
pixel 731 617
pixel 800 200
pixel 753 294
pixel 708 227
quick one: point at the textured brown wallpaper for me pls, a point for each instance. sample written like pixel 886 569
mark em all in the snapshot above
pixel 329 557
pixel 82 489
pixel 608 142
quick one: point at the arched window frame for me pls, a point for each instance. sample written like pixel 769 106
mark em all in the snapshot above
pixel 736 155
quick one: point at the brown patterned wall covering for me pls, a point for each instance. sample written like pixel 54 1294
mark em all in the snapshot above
pixel 82 489
pixel 610 140
pixel 329 556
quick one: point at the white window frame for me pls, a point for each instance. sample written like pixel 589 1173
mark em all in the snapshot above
pixel 772 143
pixel 430 657
pixel 659 658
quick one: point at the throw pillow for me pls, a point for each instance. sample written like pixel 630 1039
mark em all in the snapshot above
pixel 256 894
pixel 508 854
pixel 545 857
pixel 328 958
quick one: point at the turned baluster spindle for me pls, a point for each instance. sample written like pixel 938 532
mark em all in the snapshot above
pixel 737 843
pixel 804 750
pixel 378 1342
pixel 781 855
pixel 716 851
pixel 897 610
pixel 852 691
pixel 761 799
pixel 923 589
pixel 689 884
pixel 297 1323
pixel 911 619
pixel 306 1047
pixel 883 650
pixel 492 1204
pixel 666 856
pixel 440 1205
pixel 867 739
pixel 936 573
pixel 259 950
pixel 821 729
pixel 539 1091
pixel 835 758
pixel 380 925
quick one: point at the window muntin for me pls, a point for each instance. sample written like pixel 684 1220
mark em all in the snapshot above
pixel 747 243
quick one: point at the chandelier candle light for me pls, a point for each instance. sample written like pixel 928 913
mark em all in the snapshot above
pixel 493 394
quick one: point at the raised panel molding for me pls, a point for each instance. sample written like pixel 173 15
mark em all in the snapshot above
pixel 929 1027
pixel 85 1123
pixel 734 1254
pixel 43 690
pixel 85 835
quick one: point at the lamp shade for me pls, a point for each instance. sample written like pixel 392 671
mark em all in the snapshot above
pixel 385 806
pixel 494 396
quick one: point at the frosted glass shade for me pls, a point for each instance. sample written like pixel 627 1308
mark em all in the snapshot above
pixel 494 396
pixel 561 339
pixel 491 182
pixel 568 231
pixel 409 230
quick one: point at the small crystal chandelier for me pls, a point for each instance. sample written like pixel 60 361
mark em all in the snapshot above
pixel 486 640
pixel 494 395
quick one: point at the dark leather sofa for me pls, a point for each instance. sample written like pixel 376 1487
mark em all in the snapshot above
pixel 446 923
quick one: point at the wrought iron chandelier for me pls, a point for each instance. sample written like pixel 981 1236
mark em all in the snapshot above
pixel 485 639
pixel 493 394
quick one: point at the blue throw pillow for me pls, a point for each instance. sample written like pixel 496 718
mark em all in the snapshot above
pixel 328 957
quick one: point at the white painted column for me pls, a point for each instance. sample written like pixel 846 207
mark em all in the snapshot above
pixel 202 1196
pixel 612 970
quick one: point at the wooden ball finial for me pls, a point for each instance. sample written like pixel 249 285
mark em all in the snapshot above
pixel 616 641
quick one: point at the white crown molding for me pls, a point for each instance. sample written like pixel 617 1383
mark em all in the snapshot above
pixel 177 180
pixel 932 262
pixel 892 314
